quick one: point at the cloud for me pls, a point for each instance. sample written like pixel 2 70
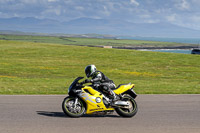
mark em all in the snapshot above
pixel 187 20
pixel 28 1
pixel 180 12
pixel 196 18
pixel 6 1
pixel 80 8
pixel 52 11
pixel 52 0
pixel 183 5
pixel 172 18
pixel 134 2
pixel 151 21
pixel 145 16
pixel 196 2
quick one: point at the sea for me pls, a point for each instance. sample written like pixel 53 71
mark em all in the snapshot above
pixel 180 51
pixel 191 41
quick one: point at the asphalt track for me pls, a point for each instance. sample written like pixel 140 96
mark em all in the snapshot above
pixel 156 114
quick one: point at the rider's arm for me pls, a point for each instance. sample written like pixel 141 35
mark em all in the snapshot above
pixel 97 78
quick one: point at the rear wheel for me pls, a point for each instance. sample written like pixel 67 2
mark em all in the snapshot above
pixel 130 110
pixel 73 108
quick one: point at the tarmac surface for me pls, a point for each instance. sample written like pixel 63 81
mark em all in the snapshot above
pixel 156 114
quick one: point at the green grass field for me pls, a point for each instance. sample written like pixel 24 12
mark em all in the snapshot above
pixel 90 41
pixel 42 68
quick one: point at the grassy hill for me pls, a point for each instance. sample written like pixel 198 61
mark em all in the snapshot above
pixel 90 41
pixel 42 68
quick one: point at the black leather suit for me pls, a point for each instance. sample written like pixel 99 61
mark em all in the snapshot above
pixel 103 83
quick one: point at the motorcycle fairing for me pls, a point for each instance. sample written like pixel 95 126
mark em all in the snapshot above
pixel 89 95
pixel 123 88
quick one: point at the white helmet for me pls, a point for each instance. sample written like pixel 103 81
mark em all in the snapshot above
pixel 89 70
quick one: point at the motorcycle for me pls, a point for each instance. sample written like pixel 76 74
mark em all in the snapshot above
pixel 86 100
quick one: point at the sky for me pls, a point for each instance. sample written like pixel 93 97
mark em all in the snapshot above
pixel 185 13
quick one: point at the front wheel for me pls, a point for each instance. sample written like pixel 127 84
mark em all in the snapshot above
pixel 73 107
pixel 130 110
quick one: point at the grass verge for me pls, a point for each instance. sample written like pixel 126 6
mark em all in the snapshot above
pixel 41 68
pixel 91 41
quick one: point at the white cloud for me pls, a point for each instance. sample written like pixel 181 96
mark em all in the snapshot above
pixel 145 16
pixel 53 11
pixel 80 8
pixel 106 11
pixel 178 12
pixel 183 5
pixel 187 20
pixel 151 21
pixel 29 1
pixel 134 2
pixel 52 0
pixel 6 1
pixel 196 18
pixel 196 2
pixel 171 18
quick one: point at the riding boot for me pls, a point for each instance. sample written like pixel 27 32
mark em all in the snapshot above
pixel 113 95
pixel 107 88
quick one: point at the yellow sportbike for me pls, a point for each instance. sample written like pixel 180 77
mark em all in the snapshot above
pixel 86 100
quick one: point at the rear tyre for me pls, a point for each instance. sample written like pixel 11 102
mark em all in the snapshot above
pixel 127 111
pixel 72 110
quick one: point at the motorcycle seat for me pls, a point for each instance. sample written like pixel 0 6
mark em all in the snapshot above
pixel 118 86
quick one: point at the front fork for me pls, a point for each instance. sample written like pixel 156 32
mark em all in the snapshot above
pixel 75 102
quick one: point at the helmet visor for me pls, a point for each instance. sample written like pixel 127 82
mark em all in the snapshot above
pixel 88 71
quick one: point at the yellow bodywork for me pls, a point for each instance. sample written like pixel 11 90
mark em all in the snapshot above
pixel 123 88
pixel 92 98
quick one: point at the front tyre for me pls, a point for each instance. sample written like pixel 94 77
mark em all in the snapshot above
pixel 73 108
pixel 127 111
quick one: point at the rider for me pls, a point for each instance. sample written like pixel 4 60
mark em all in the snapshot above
pixel 100 81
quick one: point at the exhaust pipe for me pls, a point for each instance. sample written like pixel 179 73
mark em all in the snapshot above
pixel 123 103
